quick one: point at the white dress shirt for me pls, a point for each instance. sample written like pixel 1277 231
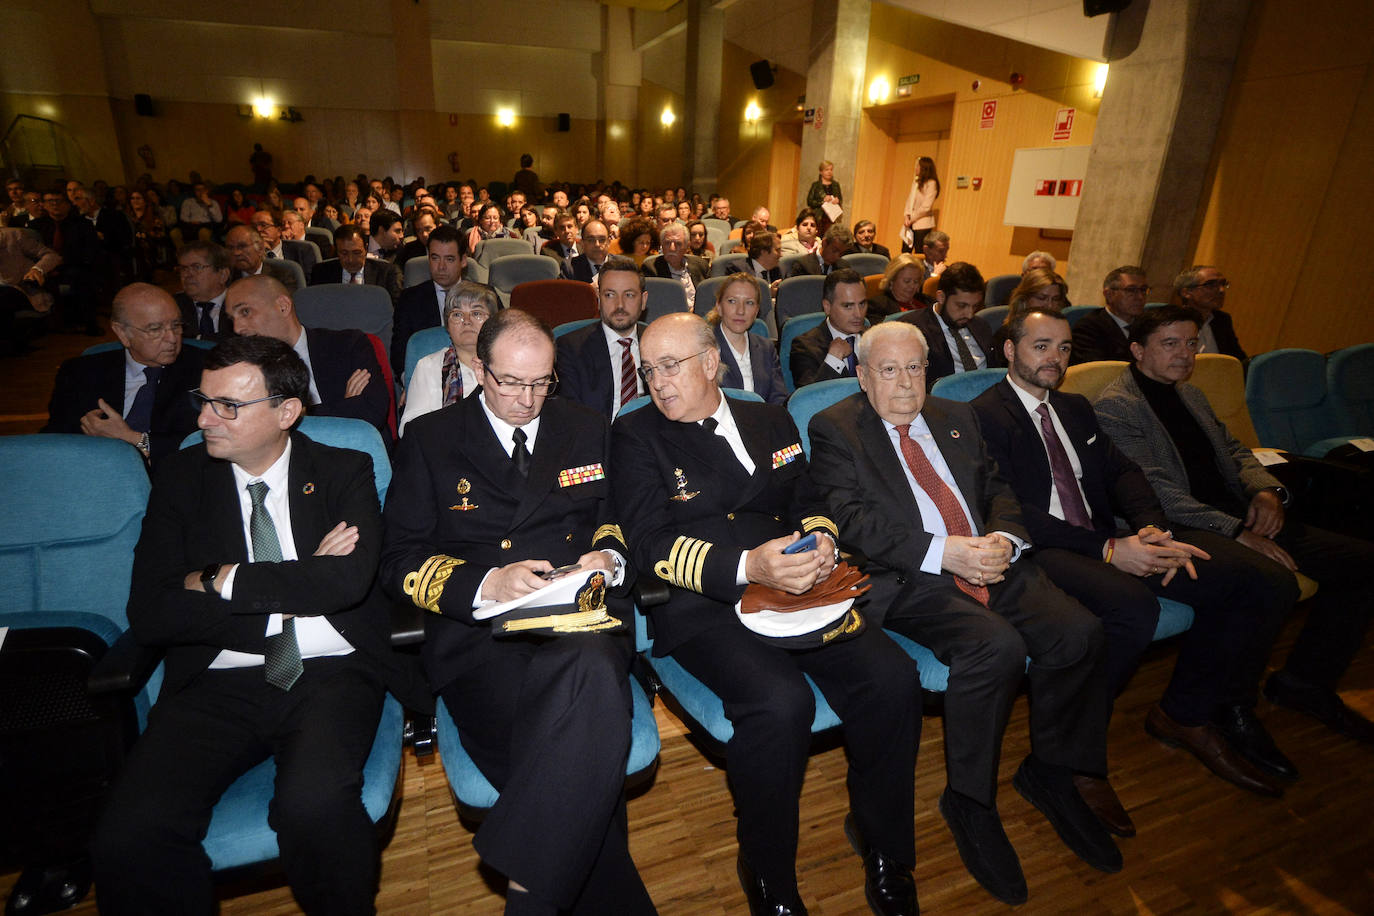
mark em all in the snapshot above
pixel 302 348
pixel 978 356
pixel 1206 337
pixel 613 344
pixel 833 361
pixel 134 380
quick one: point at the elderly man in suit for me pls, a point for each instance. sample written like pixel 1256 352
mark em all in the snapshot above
pixel 957 342
pixel 710 492
pixel 911 485
pixel 828 350
pixel 352 265
pixel 1205 479
pixel 256 572
pixel 829 257
pixel 282 235
pixel 546 720
pixel 248 258
pixel 136 393
pixel 345 378
pixel 563 246
pixel 676 264
pixel 1203 287
pixel 1103 334
pixel 1073 483
pixel 598 365
pixel 204 271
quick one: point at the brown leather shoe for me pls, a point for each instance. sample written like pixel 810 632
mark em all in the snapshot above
pixel 1207 745
pixel 1101 799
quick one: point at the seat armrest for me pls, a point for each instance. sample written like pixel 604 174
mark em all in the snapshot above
pixel 650 592
pixel 124 668
pixel 407 624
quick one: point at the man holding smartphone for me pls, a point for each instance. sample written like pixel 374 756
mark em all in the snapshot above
pixel 491 496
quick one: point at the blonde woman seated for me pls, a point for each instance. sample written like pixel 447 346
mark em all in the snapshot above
pixel 901 288
pixel 1040 288
pixel 446 376
pixel 748 360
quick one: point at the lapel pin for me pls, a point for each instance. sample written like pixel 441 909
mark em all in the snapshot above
pixel 308 489
pixel 954 434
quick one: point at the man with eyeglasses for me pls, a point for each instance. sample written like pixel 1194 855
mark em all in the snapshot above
pixel 1207 480
pixel 909 480
pixel 598 364
pixel 281 238
pixel 1104 334
pixel 710 492
pixel 595 248
pixel 248 258
pixel 1204 288
pixel 256 573
pixel 136 393
pixel 491 495
pixel 204 271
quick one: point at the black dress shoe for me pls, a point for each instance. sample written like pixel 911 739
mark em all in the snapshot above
pixel 888 885
pixel 984 847
pixel 762 901
pixel 1101 799
pixel 1321 703
pixel 1053 793
pixel 1206 744
pixel 1243 730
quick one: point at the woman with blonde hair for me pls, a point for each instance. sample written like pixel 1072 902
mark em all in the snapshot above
pixel 900 288
pixel 748 360
pixel 824 190
pixel 1040 288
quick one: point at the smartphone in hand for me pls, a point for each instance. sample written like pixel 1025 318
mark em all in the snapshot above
pixel 802 546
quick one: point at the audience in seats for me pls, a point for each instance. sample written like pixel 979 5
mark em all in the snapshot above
pixel 674 263
pixel 720 209
pixel 448 375
pixel 425 305
pixel 830 349
pixel 935 247
pixel 345 378
pixel 283 238
pixel 955 341
pixel 63 229
pixel 203 268
pixel 910 485
pixel 1036 259
pixel 748 361
pixel 828 257
pixel 1103 333
pixel 488 226
pixel 599 365
pixel 352 265
pixel 1203 288
pixel 765 254
pixel 387 236
pixel 900 287
pixel 247 258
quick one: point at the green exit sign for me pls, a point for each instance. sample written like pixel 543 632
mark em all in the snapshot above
pixel 911 80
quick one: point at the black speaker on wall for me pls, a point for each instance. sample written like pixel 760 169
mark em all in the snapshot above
pixel 143 104
pixel 762 72
pixel 564 122
pixel 1098 7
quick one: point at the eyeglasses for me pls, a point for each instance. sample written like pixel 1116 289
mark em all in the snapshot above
pixel 888 373
pixel 157 330
pixel 1217 284
pixel 224 408
pixel 538 388
pixel 599 239
pixel 193 268
pixel 476 316
pixel 669 367
pixel 1133 290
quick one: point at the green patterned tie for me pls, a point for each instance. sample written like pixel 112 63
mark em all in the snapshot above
pixel 282 664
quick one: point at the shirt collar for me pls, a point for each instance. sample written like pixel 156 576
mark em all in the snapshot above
pixel 613 336
pixel 1028 401
pixel 275 477
pixel 505 431
pixel 836 332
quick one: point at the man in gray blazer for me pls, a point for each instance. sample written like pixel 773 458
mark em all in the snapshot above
pixel 1207 480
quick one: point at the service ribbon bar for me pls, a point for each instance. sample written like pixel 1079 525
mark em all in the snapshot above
pixel 585 474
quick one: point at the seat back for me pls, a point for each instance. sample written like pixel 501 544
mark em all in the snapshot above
pixel 1286 393
pixel 873 286
pixel 812 399
pixel 663 296
pixel 796 327
pixel 323 239
pixel 729 263
pixel 788 262
pixel 999 289
pixel 416 271
pixel 297 270
pixel 341 306
pixel 509 270
pixel 866 262
pixel 556 301
pixel 1088 379
pixel 1222 379
pixel 1075 313
pixel 731 244
pixel 739 394
pixel 965 386
pixel 421 344
pixel 723 225
pixel 1350 388
pixel 993 317
pixel 799 296
pixel 570 326
pixel 488 250
pixel 706 296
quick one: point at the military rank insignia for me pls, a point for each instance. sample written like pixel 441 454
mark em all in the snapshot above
pixel 464 488
pixel 680 481
pixel 786 455
pixel 585 474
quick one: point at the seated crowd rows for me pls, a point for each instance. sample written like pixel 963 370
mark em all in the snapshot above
pixel 1026 536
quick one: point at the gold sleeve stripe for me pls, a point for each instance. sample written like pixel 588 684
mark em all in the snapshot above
pixel 612 531
pixel 426 585
pixel 812 522
pixel 685 562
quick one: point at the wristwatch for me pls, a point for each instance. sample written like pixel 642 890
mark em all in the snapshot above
pixel 207 578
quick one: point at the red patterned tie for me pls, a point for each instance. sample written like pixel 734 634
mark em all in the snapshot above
pixel 956 522
pixel 629 381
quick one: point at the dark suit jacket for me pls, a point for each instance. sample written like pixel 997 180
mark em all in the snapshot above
pixel 80 248
pixel 697 269
pixel 302 253
pixel 190 316
pixel 1098 336
pixel 808 357
pixel 578 268
pixel 510 519
pixel 810 265
pixel 194 520
pixel 940 358
pixel 83 380
pixel 695 544
pixel 875 248
pixel 334 356
pixel 1113 484
pixel 584 368
pixel 274 267
pixel 553 249
pixel 751 267
pixel 763 360
pixel 855 465
pixel 417 309
pixel 1225 332
pixel 375 273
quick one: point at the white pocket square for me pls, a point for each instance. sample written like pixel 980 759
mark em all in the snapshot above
pixel 1092 439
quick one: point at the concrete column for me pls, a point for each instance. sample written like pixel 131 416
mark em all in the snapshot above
pixel 701 119
pixel 619 108
pixel 1171 64
pixel 834 88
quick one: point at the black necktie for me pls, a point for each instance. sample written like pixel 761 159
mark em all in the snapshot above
pixel 282 664
pixel 140 417
pixel 851 361
pixel 520 455
pixel 965 355
pixel 207 322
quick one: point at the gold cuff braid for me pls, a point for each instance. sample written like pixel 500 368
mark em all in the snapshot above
pixel 612 531
pixel 684 564
pixel 814 522
pixel 426 585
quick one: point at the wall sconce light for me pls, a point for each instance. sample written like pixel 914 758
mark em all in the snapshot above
pixel 667 117
pixel 505 117
pixel 264 107
pixel 879 90
pixel 752 112
pixel 1099 81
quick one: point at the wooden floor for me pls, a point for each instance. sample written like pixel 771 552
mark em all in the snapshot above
pixel 1203 846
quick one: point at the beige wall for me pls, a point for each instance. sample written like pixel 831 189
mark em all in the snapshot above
pixel 1293 178
pixel 746 150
